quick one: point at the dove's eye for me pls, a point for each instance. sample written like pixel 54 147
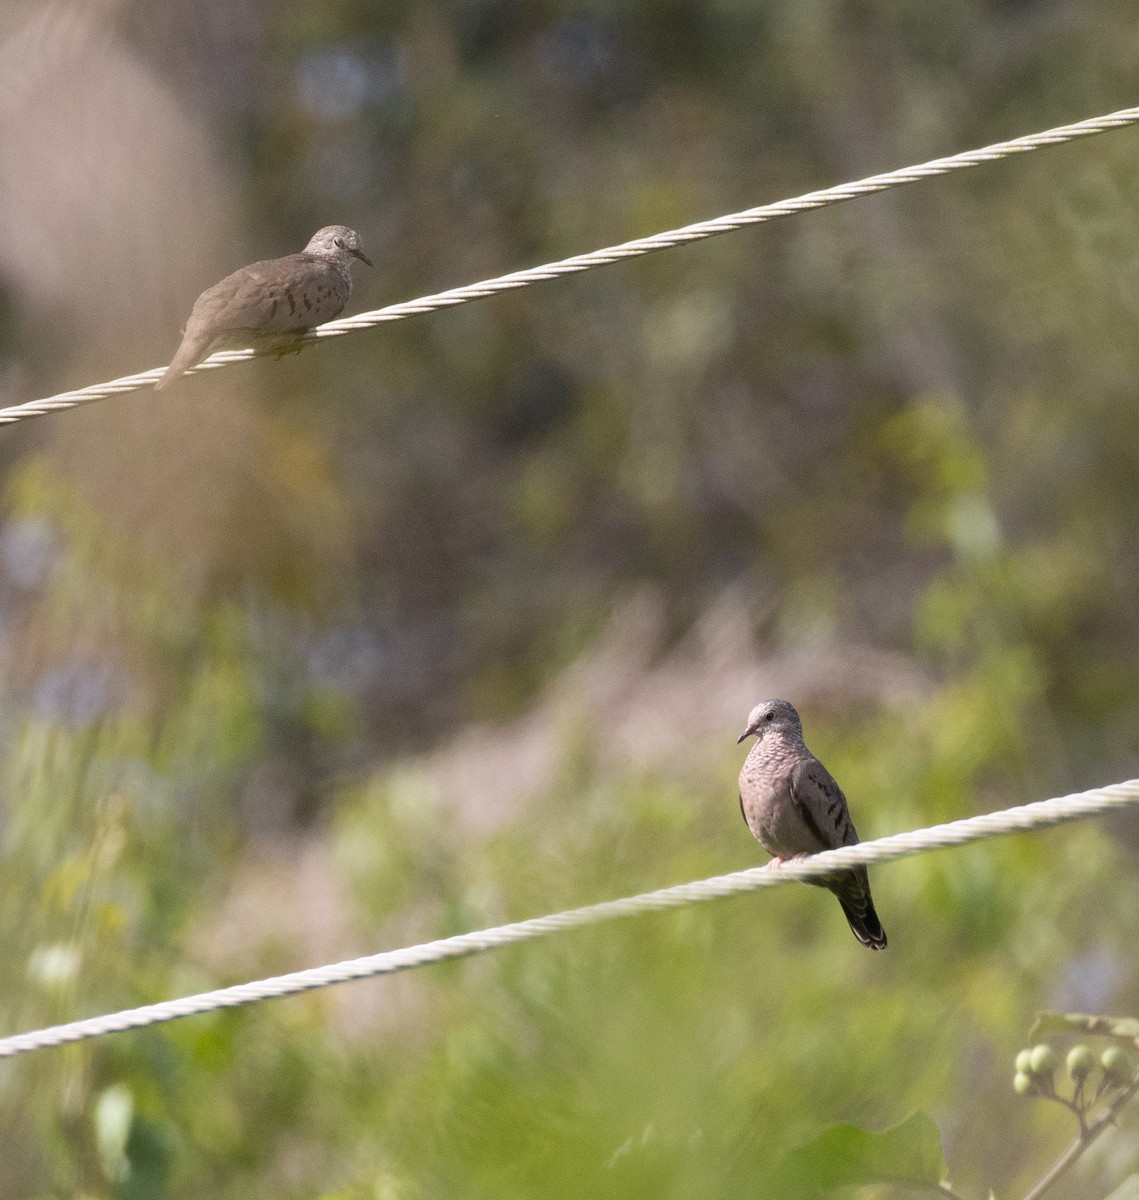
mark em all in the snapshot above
pixel 338 241
pixel 769 716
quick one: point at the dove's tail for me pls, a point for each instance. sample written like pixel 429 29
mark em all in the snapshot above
pixel 194 347
pixel 853 891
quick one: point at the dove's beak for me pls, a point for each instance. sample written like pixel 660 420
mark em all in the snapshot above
pixel 746 734
pixel 362 257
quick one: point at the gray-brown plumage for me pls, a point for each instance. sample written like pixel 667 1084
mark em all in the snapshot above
pixel 794 808
pixel 272 300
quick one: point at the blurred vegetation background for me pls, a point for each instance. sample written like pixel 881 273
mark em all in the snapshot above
pixel 457 621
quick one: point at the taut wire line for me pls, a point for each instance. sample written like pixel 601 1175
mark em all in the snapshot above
pixel 599 258
pixel 938 837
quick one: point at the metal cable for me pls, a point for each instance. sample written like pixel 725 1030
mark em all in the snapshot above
pixel 599 258
pixel 938 837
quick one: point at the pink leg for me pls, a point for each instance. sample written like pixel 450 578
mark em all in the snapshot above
pixel 777 861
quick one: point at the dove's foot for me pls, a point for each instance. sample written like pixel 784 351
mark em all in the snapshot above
pixel 283 345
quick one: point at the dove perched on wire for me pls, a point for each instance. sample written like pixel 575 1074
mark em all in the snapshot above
pixel 794 808
pixel 271 301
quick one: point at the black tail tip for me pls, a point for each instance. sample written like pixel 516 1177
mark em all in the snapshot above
pixel 869 933
pixel 867 928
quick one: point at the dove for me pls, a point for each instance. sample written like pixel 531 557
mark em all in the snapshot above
pixel 271 300
pixel 794 808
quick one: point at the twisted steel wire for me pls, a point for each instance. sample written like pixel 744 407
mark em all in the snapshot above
pixel 1039 815
pixel 599 258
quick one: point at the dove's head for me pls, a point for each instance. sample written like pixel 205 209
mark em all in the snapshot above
pixel 772 716
pixel 337 242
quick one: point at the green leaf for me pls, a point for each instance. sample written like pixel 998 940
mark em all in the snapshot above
pixel 1126 1028
pixel 846 1156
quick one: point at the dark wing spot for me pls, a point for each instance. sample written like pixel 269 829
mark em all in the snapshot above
pixel 273 309
pixel 292 303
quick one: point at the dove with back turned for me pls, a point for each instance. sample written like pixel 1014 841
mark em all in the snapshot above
pixel 271 300
pixel 794 808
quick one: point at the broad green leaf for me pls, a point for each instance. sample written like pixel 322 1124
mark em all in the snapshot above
pixel 846 1156
pixel 1126 1028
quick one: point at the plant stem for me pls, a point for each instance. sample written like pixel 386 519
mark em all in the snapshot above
pixel 1088 1134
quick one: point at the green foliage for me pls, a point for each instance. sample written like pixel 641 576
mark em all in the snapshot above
pixel 904 427
pixel 694 1049
pixel 1125 1028
pixel 908 1156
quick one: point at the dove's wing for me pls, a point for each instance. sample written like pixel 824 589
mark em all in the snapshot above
pixel 280 295
pixel 822 807
pixel 821 804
